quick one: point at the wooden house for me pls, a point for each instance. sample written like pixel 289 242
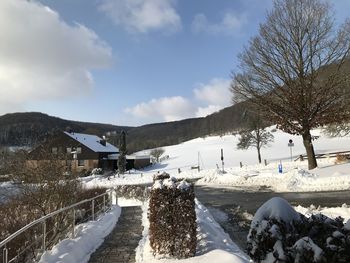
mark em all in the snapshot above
pixel 80 152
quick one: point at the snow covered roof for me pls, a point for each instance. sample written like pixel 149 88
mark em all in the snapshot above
pixel 93 142
pixel 137 157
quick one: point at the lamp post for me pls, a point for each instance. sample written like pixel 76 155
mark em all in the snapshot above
pixel 291 145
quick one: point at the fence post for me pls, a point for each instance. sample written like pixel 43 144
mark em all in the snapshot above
pixel 113 197
pixel 44 235
pixel 5 255
pixel 104 204
pixel 93 209
pixel 73 229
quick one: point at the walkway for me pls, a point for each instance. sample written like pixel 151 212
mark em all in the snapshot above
pixel 119 246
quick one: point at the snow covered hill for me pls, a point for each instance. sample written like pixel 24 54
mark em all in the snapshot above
pixel 186 154
pixel 207 152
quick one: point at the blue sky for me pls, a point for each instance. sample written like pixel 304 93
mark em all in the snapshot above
pixel 126 62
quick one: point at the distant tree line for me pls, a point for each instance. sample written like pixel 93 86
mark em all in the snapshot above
pixel 30 129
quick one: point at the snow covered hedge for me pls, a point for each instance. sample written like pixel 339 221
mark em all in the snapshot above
pixel 279 234
pixel 172 218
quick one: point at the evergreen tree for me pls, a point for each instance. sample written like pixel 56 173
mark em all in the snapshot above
pixel 122 153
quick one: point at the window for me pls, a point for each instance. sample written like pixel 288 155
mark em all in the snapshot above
pixel 69 150
pixel 78 149
pixel 81 162
pixel 54 150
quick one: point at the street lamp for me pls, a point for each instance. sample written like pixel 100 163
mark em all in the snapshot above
pixel 291 145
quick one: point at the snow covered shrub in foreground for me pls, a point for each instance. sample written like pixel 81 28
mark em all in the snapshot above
pixel 139 192
pixel 172 219
pixel 279 234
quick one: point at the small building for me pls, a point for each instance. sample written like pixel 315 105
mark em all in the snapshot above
pixel 137 161
pixel 80 152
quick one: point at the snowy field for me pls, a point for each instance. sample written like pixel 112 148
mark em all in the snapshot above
pixel 206 152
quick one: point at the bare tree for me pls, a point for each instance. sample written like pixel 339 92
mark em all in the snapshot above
pixel 337 129
pixel 293 70
pixel 255 136
pixel 157 153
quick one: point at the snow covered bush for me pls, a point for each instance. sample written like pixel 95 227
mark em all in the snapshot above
pixel 97 171
pixel 172 219
pixel 279 234
pixel 139 192
pixel 161 176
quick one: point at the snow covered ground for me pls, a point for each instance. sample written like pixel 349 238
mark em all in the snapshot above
pixel 206 152
pixel 89 236
pixel 332 212
pixel 214 245
pixel 213 242
pixel 294 178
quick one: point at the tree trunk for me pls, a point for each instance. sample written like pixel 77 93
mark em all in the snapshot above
pixel 311 158
pixel 259 155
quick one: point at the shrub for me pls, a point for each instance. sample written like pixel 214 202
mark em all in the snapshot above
pixel 295 238
pixel 172 219
pixel 44 187
pixel 156 153
pixel 139 192
pixel 342 158
pixel 20 211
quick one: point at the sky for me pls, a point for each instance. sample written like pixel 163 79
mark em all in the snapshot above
pixel 125 62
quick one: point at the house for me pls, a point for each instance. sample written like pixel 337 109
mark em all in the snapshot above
pixel 80 152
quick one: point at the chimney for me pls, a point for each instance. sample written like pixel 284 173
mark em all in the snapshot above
pixel 103 142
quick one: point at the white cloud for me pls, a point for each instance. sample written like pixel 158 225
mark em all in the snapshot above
pixel 205 111
pixel 208 98
pixel 215 95
pixel 216 92
pixel 163 109
pixel 42 57
pixel 229 25
pixel 143 15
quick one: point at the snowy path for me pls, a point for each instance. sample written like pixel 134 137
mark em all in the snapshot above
pixel 119 246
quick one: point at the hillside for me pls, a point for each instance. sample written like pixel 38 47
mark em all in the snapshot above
pixel 19 129
pixel 161 134
pixel 28 129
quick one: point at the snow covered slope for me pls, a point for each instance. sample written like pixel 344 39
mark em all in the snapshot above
pixel 186 154
pixel 207 152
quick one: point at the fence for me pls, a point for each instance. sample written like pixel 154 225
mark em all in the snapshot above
pixel 324 155
pixel 28 243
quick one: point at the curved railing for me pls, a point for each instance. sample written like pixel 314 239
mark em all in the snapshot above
pixel 35 243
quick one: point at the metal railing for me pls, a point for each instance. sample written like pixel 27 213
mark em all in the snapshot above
pixel 45 232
